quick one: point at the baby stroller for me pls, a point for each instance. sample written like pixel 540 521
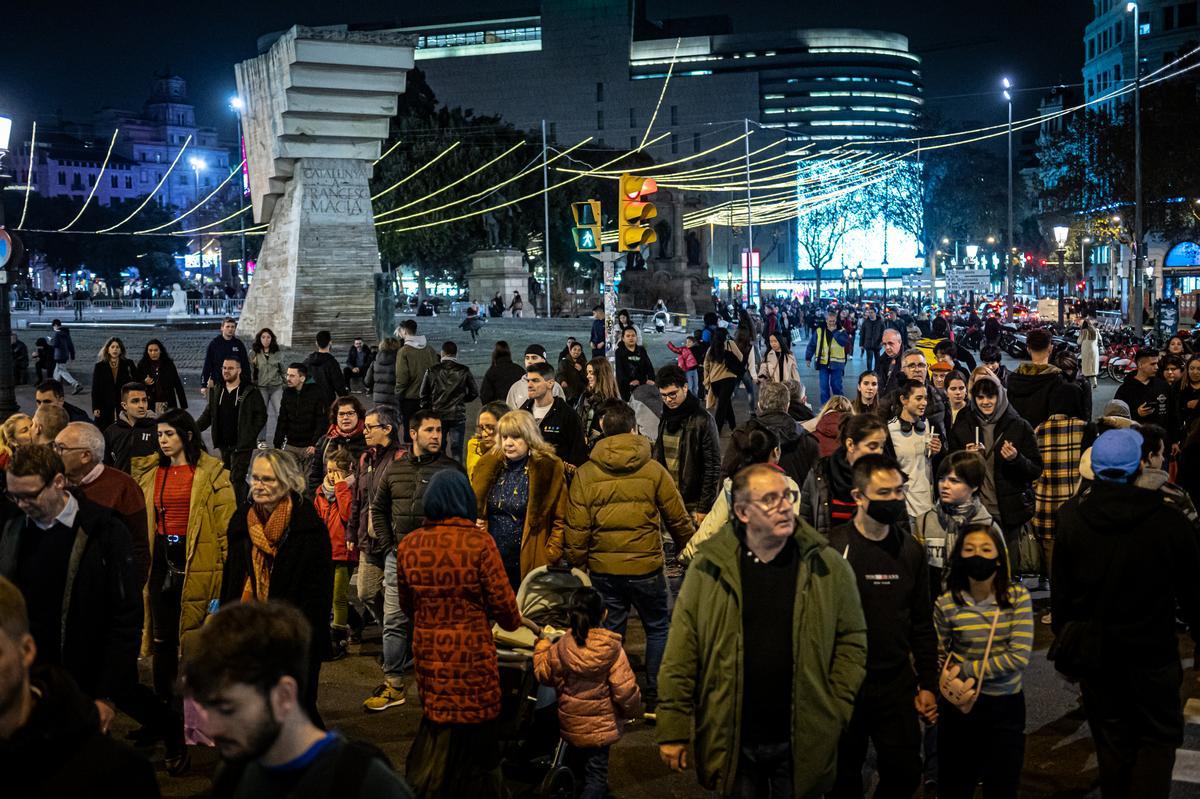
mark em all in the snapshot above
pixel 532 750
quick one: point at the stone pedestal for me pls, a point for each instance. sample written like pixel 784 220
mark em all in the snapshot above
pixel 315 270
pixel 316 107
pixel 501 271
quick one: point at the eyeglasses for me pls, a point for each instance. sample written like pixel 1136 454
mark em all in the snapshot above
pixel 61 448
pixel 267 481
pixel 347 414
pixel 672 395
pixel 369 426
pixel 769 502
pixel 18 498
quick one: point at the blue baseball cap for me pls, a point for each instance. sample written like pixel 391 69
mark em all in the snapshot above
pixel 1117 454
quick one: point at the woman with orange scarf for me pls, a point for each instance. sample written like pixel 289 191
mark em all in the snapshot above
pixel 279 550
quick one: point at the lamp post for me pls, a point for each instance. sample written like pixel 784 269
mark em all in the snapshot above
pixel 1060 237
pixel 858 276
pixel 1010 285
pixel 8 397
pixel 1135 311
pixel 236 105
pixel 883 267
pixel 1084 241
pixel 198 165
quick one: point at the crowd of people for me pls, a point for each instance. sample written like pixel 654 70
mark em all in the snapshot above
pixel 810 581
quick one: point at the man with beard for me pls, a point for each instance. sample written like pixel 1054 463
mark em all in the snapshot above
pixel 248 670
pixel 50 739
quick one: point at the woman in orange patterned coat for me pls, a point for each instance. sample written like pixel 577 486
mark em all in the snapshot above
pixel 452 585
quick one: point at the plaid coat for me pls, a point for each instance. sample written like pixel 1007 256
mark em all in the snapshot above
pixel 1060 442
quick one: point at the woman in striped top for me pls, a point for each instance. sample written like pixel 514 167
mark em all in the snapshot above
pixel 987 743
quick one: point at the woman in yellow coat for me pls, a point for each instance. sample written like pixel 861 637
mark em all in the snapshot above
pixel 521 493
pixel 189 501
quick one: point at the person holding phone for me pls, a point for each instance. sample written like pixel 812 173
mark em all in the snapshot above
pixel 1010 453
pixel 1144 391
pixel 916 443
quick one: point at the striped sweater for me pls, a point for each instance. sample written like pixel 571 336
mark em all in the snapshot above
pixel 963 633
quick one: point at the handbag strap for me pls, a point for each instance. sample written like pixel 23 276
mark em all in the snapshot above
pixel 987 650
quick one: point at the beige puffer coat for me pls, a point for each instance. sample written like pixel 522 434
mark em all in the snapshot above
pixel 597 692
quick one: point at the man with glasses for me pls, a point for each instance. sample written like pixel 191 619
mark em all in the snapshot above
pixel 688 443
pixel 237 414
pixel 73 562
pixel 902 669
pixel 913 366
pixel 558 421
pixel 768 633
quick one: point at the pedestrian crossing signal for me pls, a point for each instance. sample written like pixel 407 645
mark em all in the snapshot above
pixel 587 225
pixel 633 221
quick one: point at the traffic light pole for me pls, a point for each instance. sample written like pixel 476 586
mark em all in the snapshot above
pixel 609 259
pixel 546 217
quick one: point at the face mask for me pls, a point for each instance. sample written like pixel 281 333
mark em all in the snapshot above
pixel 980 568
pixel 887 511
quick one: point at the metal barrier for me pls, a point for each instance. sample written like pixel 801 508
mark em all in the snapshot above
pixel 158 305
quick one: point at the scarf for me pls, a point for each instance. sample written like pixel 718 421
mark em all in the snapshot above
pixel 334 433
pixel 673 418
pixel 265 538
pixel 953 517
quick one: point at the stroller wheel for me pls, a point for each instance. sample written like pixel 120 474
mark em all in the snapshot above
pixel 558 784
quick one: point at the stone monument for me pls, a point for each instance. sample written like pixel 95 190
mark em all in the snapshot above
pixel 316 110
pixel 501 271
pixel 178 309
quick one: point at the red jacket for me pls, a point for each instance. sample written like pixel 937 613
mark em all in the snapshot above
pixel 452 584
pixel 335 514
pixel 597 691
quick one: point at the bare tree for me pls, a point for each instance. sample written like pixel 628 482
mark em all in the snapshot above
pixel 820 231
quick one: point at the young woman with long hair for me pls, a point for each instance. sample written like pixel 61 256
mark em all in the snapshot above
pixel 112 371
pixel 825 499
pixel 867 399
pixel 721 365
pixel 779 364
pixel 269 370
pixel 161 378
pixel 600 387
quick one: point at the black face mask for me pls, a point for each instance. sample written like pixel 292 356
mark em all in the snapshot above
pixel 980 568
pixel 887 511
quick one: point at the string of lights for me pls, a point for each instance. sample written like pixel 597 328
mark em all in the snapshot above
pixel 95 183
pixel 452 184
pixel 150 196
pixel 417 171
pixel 195 207
pixel 389 151
pixel 29 176
pixel 661 95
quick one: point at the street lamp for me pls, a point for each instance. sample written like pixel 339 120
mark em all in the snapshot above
pixel 1060 237
pixel 236 105
pixel 858 276
pixel 1135 311
pixel 1084 268
pixel 1009 268
pixel 883 267
pixel 8 397
pixel 198 165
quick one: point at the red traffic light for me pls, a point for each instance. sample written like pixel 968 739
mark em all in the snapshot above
pixel 634 187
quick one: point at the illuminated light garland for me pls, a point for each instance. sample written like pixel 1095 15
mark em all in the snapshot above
pixel 452 184
pixel 156 188
pixel 531 195
pixel 619 172
pixel 222 221
pixel 389 152
pixel 96 185
pixel 416 171
pixel 478 194
pixel 29 176
pixel 661 95
pixel 235 171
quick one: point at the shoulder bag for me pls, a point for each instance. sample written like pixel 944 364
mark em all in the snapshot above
pixel 955 690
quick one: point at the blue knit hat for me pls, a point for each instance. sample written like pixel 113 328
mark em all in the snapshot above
pixel 449 495
pixel 1116 455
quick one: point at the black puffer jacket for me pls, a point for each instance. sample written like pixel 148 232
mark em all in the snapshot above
pixel 699 477
pixel 797 447
pixel 381 374
pixel 446 389
pixel 398 506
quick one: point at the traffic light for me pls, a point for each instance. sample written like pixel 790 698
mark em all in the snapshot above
pixel 587 225
pixel 633 221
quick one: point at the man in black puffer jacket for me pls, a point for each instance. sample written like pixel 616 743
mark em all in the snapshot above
pixel 398 508
pixel 688 443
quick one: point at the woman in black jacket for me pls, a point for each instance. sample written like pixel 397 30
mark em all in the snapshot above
pixel 112 371
pixel 279 549
pixel 1009 448
pixel 158 372
pixel 500 376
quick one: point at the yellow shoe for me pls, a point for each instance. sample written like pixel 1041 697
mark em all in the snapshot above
pixel 385 696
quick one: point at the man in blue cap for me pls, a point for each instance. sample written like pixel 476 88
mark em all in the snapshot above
pixel 1124 560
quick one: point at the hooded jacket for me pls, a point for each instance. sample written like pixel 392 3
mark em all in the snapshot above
pixel 251 415
pixel 798 450
pixel 700 683
pixel 1109 538
pixel 617 504
pixel 699 476
pixel 597 692
pixel 132 446
pixel 1013 479
pixel 381 374
pixel 545 512
pixel 1030 389
pixel 60 752
pixel 412 362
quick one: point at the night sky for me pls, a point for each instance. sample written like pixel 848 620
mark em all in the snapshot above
pixel 75 57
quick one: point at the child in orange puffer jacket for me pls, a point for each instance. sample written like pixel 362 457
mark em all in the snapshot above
pixel 597 691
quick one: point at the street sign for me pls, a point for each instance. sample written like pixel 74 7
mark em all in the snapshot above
pixel 6 248
pixel 587 225
pixel 963 280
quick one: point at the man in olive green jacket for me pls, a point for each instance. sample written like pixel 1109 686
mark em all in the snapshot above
pixel 412 362
pixel 763 695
